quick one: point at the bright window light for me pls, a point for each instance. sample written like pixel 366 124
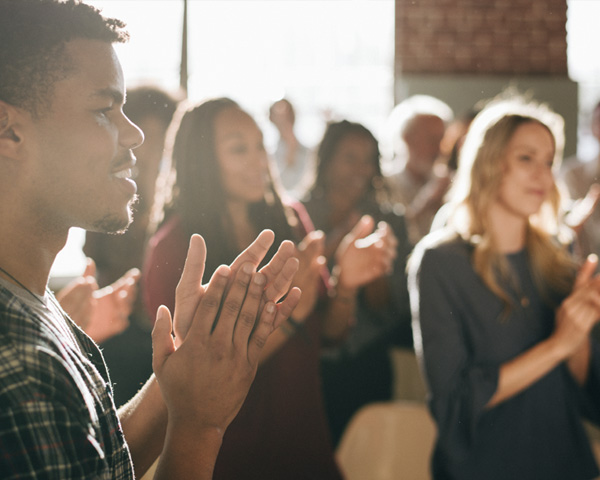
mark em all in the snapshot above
pixel 331 58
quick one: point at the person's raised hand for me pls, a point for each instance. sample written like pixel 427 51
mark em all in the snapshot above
pixel 364 254
pixel 110 315
pixel 311 262
pixel 580 311
pixel 583 209
pixel 101 313
pixel 279 272
pixel 206 377
pixel 77 297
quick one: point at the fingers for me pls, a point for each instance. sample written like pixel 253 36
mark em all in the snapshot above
pixel 209 305
pixel 279 285
pixel 162 341
pixel 77 291
pixel 124 288
pixel 264 328
pixel 310 255
pixel 593 195
pixel 249 312
pixel 77 299
pixel 256 251
pixel 593 296
pixel 363 227
pixel 287 306
pixel 581 309
pixel 130 278
pixel 387 233
pixel 90 268
pixel 189 289
pixel 191 277
pixel 587 270
pixel 238 296
pixel 285 251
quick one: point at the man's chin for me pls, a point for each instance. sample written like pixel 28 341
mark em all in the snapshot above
pixel 115 224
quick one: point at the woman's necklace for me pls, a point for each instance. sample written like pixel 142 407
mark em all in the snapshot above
pixel 22 286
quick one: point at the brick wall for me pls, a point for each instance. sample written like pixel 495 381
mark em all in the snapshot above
pixel 498 37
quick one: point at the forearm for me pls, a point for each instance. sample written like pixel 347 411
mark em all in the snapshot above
pixel 521 372
pixel 144 422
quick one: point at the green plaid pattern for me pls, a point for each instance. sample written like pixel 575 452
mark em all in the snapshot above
pixel 57 416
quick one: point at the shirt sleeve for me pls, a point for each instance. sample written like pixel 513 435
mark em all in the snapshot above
pixel 458 389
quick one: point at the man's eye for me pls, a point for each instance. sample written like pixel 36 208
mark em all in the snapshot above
pixel 103 111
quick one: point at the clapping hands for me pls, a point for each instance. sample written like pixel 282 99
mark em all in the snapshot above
pixel 365 254
pixel 220 328
pixel 100 312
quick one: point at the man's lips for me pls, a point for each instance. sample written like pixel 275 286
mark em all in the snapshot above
pixel 125 164
pixel 122 171
pixel 125 173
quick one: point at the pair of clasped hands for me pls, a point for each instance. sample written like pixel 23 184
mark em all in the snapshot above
pixel 366 253
pixel 211 347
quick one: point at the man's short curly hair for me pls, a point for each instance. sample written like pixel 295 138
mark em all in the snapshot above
pixel 33 34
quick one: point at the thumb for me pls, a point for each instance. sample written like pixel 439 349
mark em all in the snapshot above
pixel 162 341
pixel 362 228
pixel 90 268
pixel 587 270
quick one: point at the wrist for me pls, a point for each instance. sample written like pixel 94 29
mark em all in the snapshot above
pixel 556 349
pixel 189 451
pixel 184 430
pixel 339 287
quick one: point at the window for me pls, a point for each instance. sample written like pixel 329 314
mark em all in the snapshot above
pixel 331 58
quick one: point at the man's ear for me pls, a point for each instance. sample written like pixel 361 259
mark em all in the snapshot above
pixel 9 138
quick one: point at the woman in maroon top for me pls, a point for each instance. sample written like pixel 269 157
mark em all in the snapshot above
pixel 223 190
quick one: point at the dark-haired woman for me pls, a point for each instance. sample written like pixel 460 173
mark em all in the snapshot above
pixel 348 187
pixel 223 190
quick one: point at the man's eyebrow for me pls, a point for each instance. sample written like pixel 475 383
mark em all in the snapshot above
pixel 111 93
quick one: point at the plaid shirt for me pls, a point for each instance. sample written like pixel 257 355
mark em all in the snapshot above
pixel 57 416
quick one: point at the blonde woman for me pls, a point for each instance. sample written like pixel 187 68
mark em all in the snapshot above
pixel 502 313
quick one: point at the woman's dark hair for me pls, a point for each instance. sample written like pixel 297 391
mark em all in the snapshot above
pixel 334 134
pixel 199 197
pixel 150 101
pixel 33 34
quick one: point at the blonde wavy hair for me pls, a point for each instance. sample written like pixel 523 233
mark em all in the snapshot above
pixel 481 169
